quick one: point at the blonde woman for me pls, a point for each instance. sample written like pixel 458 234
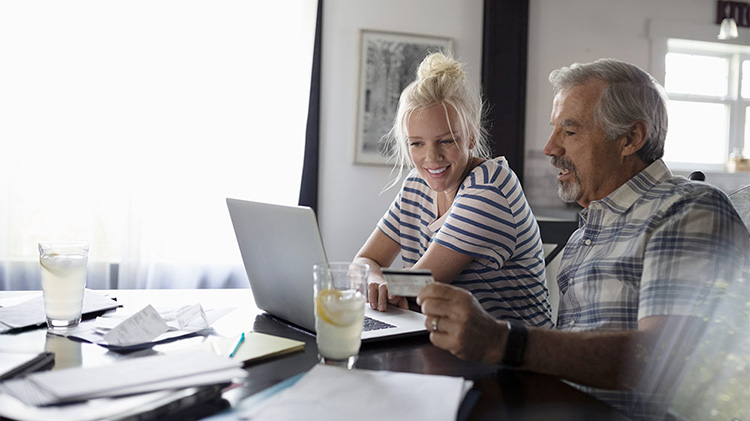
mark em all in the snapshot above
pixel 459 213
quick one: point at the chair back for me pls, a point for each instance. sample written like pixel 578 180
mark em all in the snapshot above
pixel 556 232
pixel 741 201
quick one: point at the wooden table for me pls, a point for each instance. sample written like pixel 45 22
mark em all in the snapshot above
pixel 498 393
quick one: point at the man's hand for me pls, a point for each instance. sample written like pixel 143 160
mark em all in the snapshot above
pixel 459 324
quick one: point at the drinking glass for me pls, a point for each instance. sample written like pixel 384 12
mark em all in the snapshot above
pixel 340 295
pixel 63 266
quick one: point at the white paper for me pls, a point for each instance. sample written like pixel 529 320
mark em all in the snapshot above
pixel 143 326
pixel 137 374
pixel 327 393
pixel 86 411
pixel 31 312
pixel 192 318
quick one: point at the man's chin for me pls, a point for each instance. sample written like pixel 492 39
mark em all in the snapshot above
pixel 567 193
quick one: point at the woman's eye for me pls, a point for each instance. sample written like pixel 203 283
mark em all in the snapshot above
pixel 414 144
pixel 447 142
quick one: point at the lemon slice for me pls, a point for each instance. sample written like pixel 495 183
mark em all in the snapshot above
pixel 48 260
pixel 339 308
pixel 322 302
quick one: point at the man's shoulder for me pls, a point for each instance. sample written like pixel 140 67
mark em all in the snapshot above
pixel 679 189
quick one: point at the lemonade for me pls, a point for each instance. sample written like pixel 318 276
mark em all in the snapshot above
pixel 339 316
pixel 339 292
pixel 63 282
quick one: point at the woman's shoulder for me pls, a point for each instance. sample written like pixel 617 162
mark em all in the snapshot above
pixel 414 180
pixel 495 171
pixel 414 187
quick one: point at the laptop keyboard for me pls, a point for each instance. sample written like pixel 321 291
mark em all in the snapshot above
pixel 372 324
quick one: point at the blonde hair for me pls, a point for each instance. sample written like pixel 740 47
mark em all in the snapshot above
pixel 440 80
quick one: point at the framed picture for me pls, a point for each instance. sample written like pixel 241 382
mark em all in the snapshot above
pixel 388 63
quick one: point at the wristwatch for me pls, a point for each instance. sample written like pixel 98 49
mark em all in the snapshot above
pixel 515 345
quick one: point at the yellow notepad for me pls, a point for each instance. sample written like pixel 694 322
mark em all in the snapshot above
pixel 256 346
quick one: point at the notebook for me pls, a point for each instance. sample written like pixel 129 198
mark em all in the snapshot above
pixel 279 246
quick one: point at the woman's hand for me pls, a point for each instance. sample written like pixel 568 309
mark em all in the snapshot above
pixel 377 296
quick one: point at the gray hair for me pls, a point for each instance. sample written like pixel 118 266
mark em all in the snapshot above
pixel 631 94
pixel 440 80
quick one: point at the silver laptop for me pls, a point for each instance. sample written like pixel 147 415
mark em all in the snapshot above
pixel 279 245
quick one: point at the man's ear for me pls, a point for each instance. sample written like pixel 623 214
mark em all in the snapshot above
pixel 635 138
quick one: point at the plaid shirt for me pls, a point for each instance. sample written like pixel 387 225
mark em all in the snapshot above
pixel 653 247
pixel 647 249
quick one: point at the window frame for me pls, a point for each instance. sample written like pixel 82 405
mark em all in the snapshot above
pixel 672 37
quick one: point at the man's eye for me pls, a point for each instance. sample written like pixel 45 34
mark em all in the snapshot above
pixel 569 133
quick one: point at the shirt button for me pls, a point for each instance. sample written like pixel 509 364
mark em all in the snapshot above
pixel 587 242
pixel 572 322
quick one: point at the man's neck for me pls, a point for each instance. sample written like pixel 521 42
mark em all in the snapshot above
pixel 630 167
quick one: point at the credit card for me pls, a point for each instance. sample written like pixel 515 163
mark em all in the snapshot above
pixel 406 282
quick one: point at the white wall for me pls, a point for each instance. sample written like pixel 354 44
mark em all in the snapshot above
pixel 350 203
pixel 560 32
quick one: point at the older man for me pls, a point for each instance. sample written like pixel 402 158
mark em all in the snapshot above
pixel 642 264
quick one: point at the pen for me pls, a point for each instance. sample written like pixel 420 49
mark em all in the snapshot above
pixel 237 345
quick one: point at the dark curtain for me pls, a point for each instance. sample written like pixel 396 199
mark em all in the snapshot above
pixel 504 45
pixel 308 193
pixel 504 52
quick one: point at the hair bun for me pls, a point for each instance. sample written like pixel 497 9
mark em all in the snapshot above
pixel 439 64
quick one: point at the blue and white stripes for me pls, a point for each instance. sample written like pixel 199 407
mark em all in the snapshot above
pixel 489 220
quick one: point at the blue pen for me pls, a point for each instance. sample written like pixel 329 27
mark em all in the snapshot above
pixel 237 345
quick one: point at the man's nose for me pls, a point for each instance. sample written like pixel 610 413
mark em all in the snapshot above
pixel 553 147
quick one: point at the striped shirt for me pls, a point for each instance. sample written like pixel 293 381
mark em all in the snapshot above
pixel 653 247
pixel 489 220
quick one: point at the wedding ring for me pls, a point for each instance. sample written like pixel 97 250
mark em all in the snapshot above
pixel 435 324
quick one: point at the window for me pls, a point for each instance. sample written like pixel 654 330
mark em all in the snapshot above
pixel 708 85
pixel 127 124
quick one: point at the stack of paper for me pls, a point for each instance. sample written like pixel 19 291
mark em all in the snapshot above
pixel 165 404
pixel 31 312
pixel 124 331
pixel 132 376
pixel 13 364
pixel 327 393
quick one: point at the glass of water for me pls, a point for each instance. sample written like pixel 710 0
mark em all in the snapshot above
pixel 340 295
pixel 63 266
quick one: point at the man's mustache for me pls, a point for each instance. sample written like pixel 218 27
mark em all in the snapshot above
pixel 562 163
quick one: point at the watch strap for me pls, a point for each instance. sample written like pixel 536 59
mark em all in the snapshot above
pixel 515 345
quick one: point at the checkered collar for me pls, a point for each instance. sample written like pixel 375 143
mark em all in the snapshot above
pixel 622 199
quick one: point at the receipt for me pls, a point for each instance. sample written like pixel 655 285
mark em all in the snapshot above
pixel 143 326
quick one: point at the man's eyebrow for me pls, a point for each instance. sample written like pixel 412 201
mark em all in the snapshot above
pixel 566 123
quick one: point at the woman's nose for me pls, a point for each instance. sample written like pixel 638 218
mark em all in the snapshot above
pixel 433 153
